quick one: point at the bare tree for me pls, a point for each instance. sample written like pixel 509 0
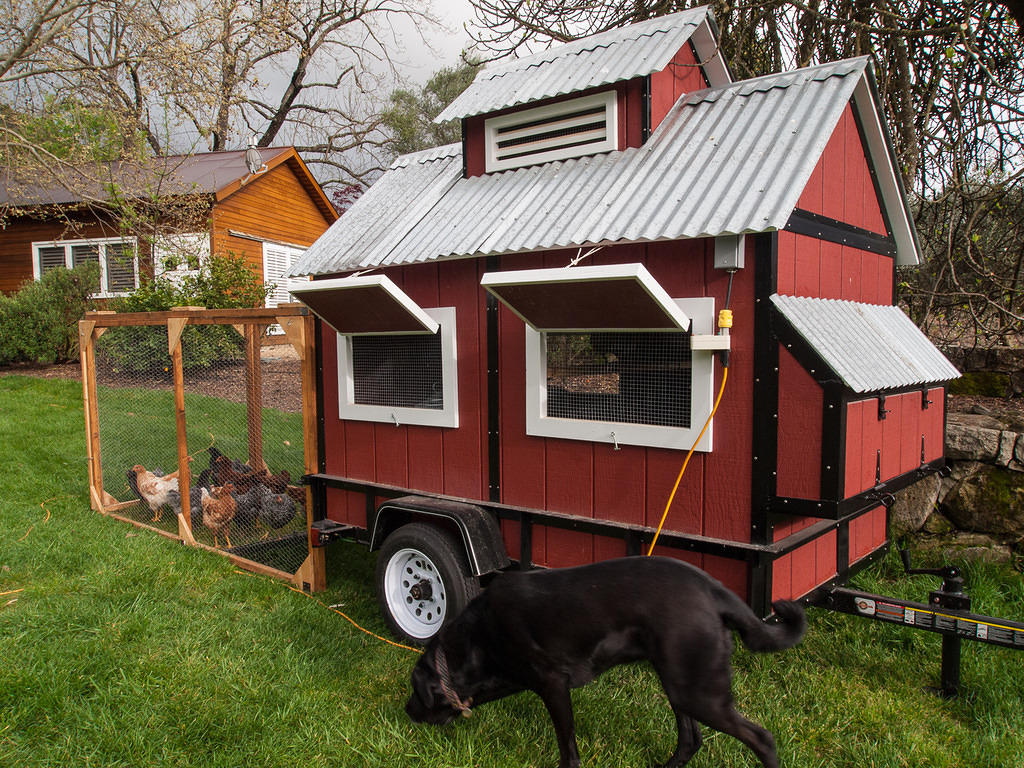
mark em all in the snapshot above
pixel 189 74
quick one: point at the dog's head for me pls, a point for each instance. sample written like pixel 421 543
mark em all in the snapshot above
pixel 429 702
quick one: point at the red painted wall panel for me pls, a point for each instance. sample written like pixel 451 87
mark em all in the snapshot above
pixel 683 75
pixel 840 186
pixel 867 533
pixel 801 401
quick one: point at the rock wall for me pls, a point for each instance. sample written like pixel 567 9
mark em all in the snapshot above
pixel 978 510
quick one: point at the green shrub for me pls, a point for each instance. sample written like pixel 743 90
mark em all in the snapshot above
pixel 40 322
pixel 226 281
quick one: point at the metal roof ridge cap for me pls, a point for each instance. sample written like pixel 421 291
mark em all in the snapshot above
pixel 836 67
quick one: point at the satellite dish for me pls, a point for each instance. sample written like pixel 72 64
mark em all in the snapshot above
pixel 253 158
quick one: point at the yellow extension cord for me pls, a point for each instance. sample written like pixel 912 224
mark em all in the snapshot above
pixel 664 515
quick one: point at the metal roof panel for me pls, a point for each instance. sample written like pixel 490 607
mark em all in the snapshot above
pixel 608 57
pixel 871 347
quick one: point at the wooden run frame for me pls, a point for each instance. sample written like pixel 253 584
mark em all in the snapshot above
pixel 299 329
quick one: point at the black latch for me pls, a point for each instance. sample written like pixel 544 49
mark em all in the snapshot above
pixel 882 412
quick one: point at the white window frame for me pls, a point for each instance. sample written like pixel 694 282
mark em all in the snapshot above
pixel 447 416
pixel 180 246
pixel 102 243
pixel 702 314
pixel 607 99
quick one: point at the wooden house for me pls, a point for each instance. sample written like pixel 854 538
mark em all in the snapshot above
pixel 520 332
pixel 210 203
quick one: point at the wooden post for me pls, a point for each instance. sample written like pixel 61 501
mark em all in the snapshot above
pixel 312 575
pixel 254 394
pixel 87 357
pixel 175 326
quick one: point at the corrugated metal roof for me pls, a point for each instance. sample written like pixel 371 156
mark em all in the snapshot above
pixel 870 347
pixel 609 57
pixel 724 161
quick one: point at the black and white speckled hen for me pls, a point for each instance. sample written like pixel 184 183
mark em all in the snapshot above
pixel 276 509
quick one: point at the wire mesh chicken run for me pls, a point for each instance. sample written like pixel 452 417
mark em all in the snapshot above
pixel 200 424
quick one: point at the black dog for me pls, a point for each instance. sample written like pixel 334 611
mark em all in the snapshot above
pixel 550 631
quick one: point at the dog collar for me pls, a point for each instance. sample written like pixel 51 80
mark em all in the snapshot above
pixel 443 676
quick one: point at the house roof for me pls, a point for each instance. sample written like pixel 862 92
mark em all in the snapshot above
pixel 609 57
pixel 211 173
pixel 725 160
pixel 870 347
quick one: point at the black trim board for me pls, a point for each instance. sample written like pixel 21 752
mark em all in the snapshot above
pixel 528 517
pixel 764 447
pixel 493 264
pixel 815 225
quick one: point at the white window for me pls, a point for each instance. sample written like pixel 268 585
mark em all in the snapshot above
pixel 180 255
pixel 396 360
pixel 117 258
pixel 610 356
pixel 572 128
pixel 622 387
pixel 277 262
pixel 401 378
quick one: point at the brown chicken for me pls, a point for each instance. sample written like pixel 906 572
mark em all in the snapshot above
pixel 219 510
pixel 157 491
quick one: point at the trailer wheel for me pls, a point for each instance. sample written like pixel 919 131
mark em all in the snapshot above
pixel 422 581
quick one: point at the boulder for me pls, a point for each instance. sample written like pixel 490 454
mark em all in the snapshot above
pixel 1007 446
pixel 957 547
pixel 913 505
pixel 990 500
pixel 972 436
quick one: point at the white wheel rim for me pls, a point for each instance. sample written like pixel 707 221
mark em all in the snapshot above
pixel 419 617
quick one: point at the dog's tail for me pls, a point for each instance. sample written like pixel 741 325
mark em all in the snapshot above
pixel 783 631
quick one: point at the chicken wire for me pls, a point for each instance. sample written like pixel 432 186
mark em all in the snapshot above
pixel 244 437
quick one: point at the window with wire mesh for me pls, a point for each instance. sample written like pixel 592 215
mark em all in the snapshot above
pixel 400 371
pixel 625 377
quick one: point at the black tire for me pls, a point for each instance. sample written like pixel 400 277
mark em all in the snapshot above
pixel 422 581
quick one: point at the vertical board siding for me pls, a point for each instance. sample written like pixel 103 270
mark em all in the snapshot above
pixel 821 269
pixel 683 75
pixel 841 186
pixel 867 533
pixel 892 446
pixel 801 401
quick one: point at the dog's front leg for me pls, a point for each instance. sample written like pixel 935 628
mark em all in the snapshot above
pixel 558 701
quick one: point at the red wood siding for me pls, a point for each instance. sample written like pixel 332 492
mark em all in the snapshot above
pixel 841 187
pixel 820 269
pixel 891 446
pixel 801 400
pixel 796 574
pixel 577 477
pixel 632 484
pixel 683 75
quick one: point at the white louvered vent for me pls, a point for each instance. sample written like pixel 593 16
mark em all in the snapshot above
pixel 573 128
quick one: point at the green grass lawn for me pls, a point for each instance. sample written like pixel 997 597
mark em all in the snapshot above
pixel 121 647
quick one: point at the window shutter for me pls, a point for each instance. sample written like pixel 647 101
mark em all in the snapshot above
pixel 121 272
pixel 51 257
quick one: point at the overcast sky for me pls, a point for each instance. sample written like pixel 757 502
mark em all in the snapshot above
pixel 418 58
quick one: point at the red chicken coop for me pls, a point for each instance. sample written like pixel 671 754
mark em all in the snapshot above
pixel 521 338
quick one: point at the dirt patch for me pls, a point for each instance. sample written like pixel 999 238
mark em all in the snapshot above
pixel 280 378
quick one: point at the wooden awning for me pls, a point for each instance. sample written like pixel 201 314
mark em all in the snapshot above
pixel 615 297
pixel 364 304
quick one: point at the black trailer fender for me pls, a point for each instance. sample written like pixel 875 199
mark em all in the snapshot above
pixel 478 529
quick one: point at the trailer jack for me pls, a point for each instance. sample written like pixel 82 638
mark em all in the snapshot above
pixel 947 613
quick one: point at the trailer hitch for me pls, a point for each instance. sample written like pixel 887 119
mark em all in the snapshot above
pixel 947 613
